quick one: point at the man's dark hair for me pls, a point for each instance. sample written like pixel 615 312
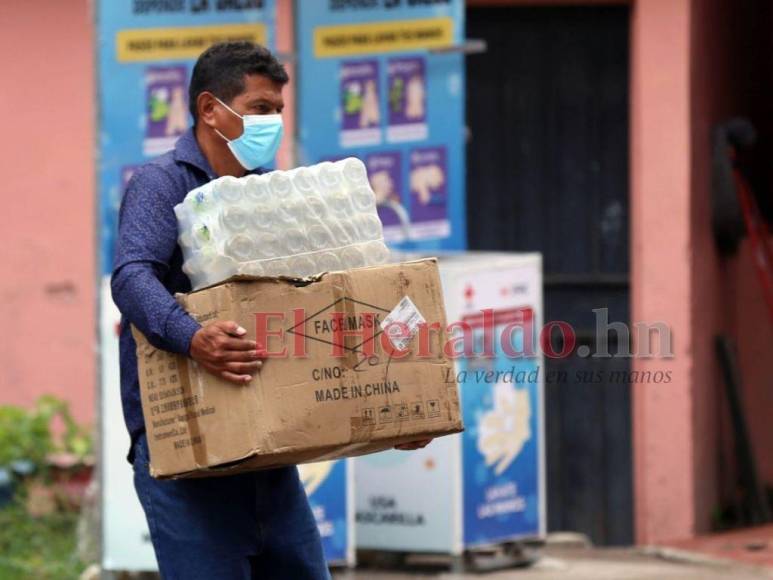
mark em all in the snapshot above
pixel 222 67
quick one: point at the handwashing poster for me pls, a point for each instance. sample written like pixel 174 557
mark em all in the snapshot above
pixel 360 110
pixel 386 179
pixel 428 183
pixel 407 86
pixel 166 107
pixel 500 444
pixel 397 103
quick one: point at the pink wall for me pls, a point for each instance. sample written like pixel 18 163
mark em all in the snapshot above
pixel 48 306
pixel 732 77
pixel 285 40
pixel 694 63
pixel 711 97
pixel 661 284
pixel 718 79
pixel 47 311
pixel 750 69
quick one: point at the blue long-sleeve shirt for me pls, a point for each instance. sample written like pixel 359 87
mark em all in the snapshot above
pixel 147 268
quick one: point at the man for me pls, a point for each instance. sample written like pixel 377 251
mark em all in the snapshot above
pixel 247 525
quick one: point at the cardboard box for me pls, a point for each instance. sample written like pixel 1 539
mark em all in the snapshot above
pixel 334 385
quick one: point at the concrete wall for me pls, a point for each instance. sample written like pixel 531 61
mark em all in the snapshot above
pixel 732 76
pixel 753 64
pixel 712 97
pixel 47 310
pixel 285 39
pixel 48 264
pixel 695 63
pixel 661 285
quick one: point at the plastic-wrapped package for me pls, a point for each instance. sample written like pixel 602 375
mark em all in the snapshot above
pixel 284 223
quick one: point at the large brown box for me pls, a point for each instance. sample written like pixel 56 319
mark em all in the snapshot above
pixel 348 394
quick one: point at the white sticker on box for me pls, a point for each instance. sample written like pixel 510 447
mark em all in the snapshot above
pixel 408 319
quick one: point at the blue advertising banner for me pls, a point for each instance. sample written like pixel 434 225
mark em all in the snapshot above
pixel 327 486
pixel 500 444
pixel 146 53
pixel 377 81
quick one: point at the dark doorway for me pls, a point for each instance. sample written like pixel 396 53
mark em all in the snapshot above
pixel 548 171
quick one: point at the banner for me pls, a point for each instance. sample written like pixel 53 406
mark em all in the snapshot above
pixel 501 397
pixel 329 487
pixel 377 81
pixel 146 51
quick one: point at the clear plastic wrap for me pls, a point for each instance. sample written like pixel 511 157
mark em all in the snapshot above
pixel 285 223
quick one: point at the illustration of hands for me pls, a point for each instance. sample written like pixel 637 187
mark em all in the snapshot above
pixel 425 179
pixel 382 185
pixel 504 430
pixel 159 104
pixel 353 98
pixel 370 114
pixel 313 474
pixel 177 122
pixel 414 98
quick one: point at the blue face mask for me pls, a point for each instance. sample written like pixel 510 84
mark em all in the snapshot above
pixel 259 141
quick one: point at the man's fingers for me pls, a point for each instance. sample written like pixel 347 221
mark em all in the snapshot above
pixel 236 378
pixel 239 344
pixel 243 368
pixel 241 356
pixel 237 372
pixel 232 328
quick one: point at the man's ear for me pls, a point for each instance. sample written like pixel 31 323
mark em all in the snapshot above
pixel 206 108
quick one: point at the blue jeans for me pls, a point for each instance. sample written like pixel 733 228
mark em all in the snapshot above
pixel 249 525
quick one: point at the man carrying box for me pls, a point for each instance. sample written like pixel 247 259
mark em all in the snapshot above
pixel 255 524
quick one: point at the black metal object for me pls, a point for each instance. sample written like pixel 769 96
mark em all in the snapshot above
pixel 754 503
pixel 726 215
pixel 548 171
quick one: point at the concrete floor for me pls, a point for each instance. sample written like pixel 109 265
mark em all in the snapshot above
pixel 752 546
pixel 589 564
pixel 564 561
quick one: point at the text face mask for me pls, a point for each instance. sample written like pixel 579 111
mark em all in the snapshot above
pixel 259 141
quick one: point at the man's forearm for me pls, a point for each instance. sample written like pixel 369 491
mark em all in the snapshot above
pixel 144 302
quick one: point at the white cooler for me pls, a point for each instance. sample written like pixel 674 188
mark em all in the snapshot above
pixel 487 485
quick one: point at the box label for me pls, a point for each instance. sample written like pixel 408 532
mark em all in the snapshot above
pixel 402 323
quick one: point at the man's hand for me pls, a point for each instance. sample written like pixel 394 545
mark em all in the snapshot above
pixel 413 445
pixel 221 349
